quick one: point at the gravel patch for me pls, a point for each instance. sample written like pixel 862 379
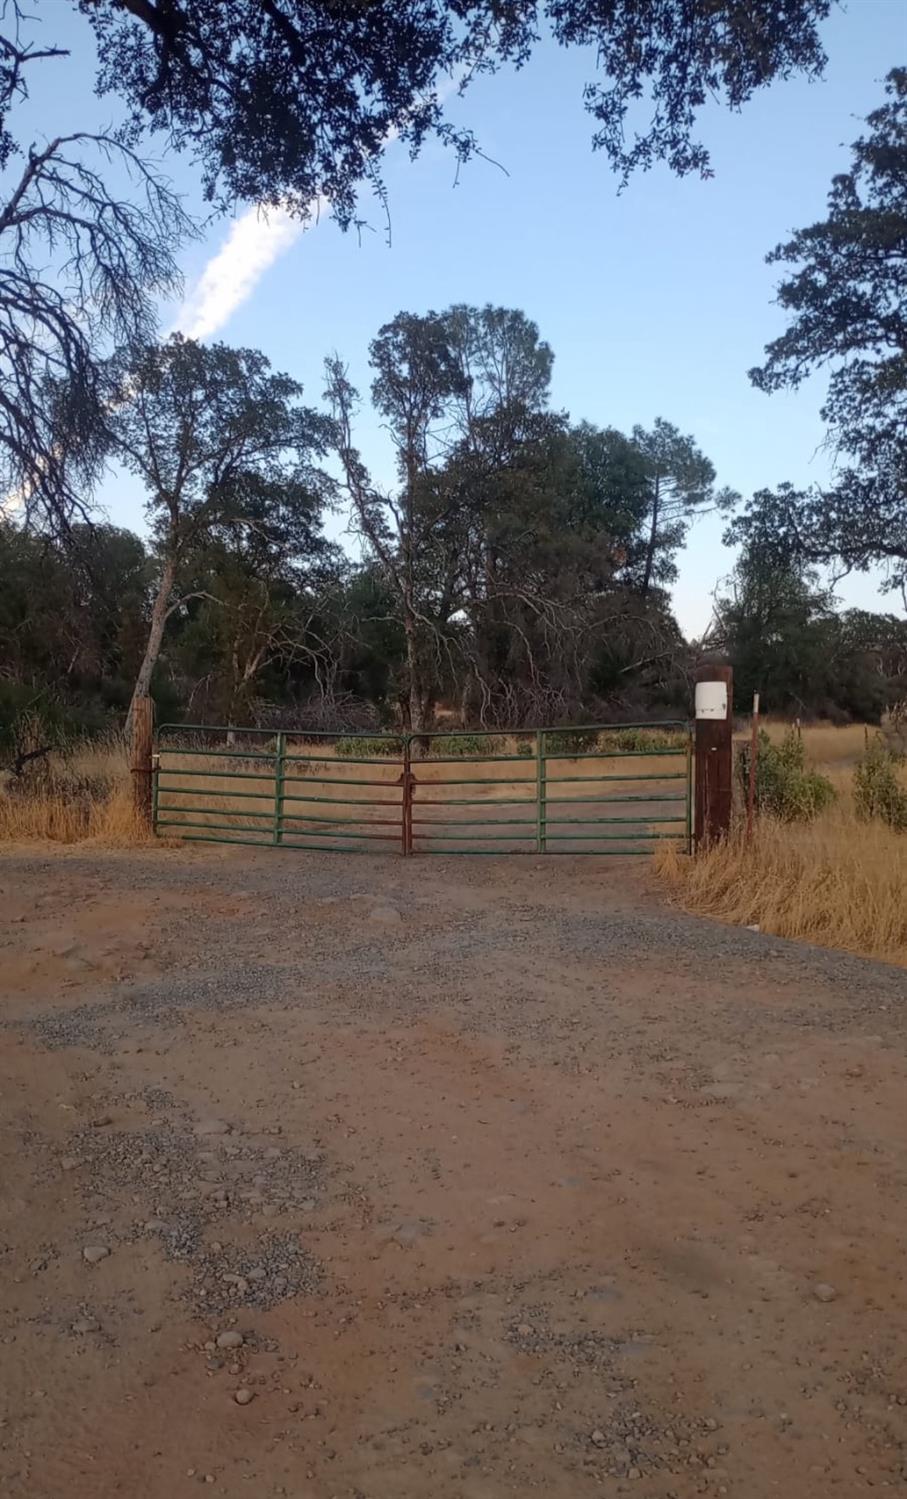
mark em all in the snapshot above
pixel 191 1194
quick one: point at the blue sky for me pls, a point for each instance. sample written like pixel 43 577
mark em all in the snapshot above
pixel 655 300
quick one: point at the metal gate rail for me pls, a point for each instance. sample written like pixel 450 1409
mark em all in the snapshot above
pixel 256 787
pixel 284 824
pixel 541 827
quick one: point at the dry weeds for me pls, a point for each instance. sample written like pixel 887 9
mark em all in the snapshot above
pixel 79 795
pixel 837 882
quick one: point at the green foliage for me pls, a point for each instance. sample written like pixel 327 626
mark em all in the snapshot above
pixel 280 108
pixel 786 787
pixel 645 740
pixel 355 746
pixel 845 301
pixel 783 635
pixel 613 741
pixel 570 741
pixel 679 481
pixel 463 744
pixel 877 790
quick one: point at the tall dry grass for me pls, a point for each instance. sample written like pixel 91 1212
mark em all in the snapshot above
pixel 80 794
pixel 827 745
pixel 838 882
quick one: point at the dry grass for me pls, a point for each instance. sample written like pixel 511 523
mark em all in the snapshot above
pixel 837 882
pixel 82 795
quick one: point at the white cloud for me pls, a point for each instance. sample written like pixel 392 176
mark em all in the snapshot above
pixel 256 239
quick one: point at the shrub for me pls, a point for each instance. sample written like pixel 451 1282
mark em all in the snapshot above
pixel 570 741
pixel 877 791
pixel 649 741
pixel 786 787
pixel 462 744
pixel 354 746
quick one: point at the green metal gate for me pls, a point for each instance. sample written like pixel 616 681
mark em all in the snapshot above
pixel 594 789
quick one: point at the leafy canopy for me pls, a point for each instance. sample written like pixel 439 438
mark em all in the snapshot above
pixel 285 101
pixel 847 300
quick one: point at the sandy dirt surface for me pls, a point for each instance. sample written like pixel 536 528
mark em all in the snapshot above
pixel 357 1178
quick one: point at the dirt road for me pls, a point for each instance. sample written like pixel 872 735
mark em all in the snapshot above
pixel 499 1177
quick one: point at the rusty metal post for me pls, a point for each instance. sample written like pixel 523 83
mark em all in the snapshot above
pixel 140 759
pixel 714 753
pixel 754 755
pixel 407 797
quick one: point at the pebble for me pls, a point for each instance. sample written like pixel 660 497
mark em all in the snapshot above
pixel 244 1396
pixel 598 1437
pixel 387 915
pixel 524 1329
pixel 101 1121
pixel 70 1163
pixel 94 1253
pixel 155 1226
pixel 230 1340
pixel 212 1127
pixel 84 1325
pixel 824 1292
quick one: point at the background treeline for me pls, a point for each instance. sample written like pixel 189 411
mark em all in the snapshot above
pixel 516 572
pixel 516 569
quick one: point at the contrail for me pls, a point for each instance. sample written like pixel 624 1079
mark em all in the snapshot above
pixel 257 238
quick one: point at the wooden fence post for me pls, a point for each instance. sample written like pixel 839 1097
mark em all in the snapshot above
pixel 714 753
pixel 142 743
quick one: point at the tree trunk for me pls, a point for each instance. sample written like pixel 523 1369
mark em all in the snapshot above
pixel 653 540
pixel 414 684
pixel 155 637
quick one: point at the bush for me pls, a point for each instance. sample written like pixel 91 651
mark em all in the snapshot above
pixel 785 786
pixel 570 741
pixel 579 741
pixel 462 744
pixel 877 791
pixel 649 741
pixel 353 746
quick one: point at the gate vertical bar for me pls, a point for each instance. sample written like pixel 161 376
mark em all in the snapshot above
pixel 689 806
pixel 155 772
pixel 540 789
pixel 754 760
pixel 279 769
pixel 407 799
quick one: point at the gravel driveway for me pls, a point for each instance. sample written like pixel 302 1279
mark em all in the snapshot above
pixel 345 1177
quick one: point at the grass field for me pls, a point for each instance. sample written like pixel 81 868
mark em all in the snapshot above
pixel 837 881
pixel 82 794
